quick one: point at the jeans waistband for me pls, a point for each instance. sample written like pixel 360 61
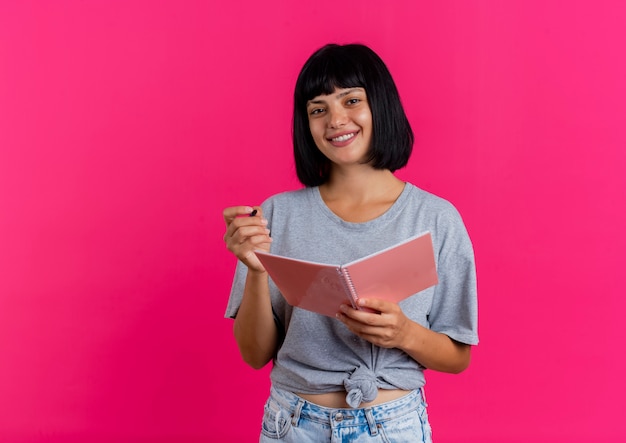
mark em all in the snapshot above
pixel 298 407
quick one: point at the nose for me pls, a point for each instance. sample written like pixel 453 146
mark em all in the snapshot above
pixel 337 117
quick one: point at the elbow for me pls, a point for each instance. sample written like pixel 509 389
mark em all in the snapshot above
pixel 463 359
pixel 459 368
pixel 455 368
pixel 256 350
pixel 253 356
pixel 254 361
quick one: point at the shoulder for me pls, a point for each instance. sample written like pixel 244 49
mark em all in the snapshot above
pixel 442 218
pixel 294 201
pixel 438 207
pixel 291 196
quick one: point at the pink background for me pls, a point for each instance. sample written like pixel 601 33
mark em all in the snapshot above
pixel 126 127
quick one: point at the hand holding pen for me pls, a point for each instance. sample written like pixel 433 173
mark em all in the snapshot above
pixel 246 231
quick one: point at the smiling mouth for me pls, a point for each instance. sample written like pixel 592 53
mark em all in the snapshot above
pixel 343 138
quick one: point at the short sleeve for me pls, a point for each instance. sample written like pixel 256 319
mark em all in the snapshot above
pixel 454 311
pixel 236 291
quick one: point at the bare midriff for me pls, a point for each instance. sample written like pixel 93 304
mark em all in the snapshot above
pixel 337 400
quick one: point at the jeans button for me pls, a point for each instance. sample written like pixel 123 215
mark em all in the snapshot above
pixel 339 416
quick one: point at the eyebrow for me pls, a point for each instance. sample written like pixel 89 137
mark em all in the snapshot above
pixel 340 95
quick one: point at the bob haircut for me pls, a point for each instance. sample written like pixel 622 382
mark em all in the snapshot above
pixel 348 66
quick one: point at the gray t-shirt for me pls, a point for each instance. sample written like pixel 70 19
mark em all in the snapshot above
pixel 319 354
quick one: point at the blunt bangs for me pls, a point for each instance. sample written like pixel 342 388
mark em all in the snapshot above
pixel 325 74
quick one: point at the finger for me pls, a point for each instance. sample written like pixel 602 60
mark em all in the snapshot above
pixel 256 211
pixel 357 316
pixel 233 212
pixel 376 304
pixel 239 221
pixel 253 242
pixel 240 231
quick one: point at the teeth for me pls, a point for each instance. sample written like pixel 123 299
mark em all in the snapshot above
pixel 343 138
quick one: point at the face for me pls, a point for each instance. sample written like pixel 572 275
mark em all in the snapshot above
pixel 341 125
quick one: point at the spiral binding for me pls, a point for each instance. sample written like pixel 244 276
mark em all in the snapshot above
pixel 349 286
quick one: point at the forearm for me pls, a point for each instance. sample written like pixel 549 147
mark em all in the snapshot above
pixel 434 350
pixel 255 330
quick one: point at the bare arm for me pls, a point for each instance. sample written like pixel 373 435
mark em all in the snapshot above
pixel 392 329
pixel 254 329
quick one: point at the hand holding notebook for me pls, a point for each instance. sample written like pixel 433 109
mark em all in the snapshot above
pixel 392 274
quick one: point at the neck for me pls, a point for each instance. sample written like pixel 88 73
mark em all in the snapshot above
pixel 361 197
pixel 361 185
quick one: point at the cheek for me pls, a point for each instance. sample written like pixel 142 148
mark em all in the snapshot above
pixel 365 119
pixel 317 131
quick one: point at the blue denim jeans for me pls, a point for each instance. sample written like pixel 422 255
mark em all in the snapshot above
pixel 291 419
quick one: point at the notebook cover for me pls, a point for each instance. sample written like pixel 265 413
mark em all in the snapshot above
pixel 392 274
pixel 312 286
pixel 397 272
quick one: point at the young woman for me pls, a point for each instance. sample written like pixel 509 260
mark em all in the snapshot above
pixel 358 377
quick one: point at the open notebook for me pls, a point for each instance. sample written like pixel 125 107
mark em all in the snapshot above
pixel 393 274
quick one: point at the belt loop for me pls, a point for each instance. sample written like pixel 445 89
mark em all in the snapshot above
pixel 295 418
pixel 371 422
pixel 423 392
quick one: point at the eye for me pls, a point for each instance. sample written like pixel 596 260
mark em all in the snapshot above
pixel 353 101
pixel 316 111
